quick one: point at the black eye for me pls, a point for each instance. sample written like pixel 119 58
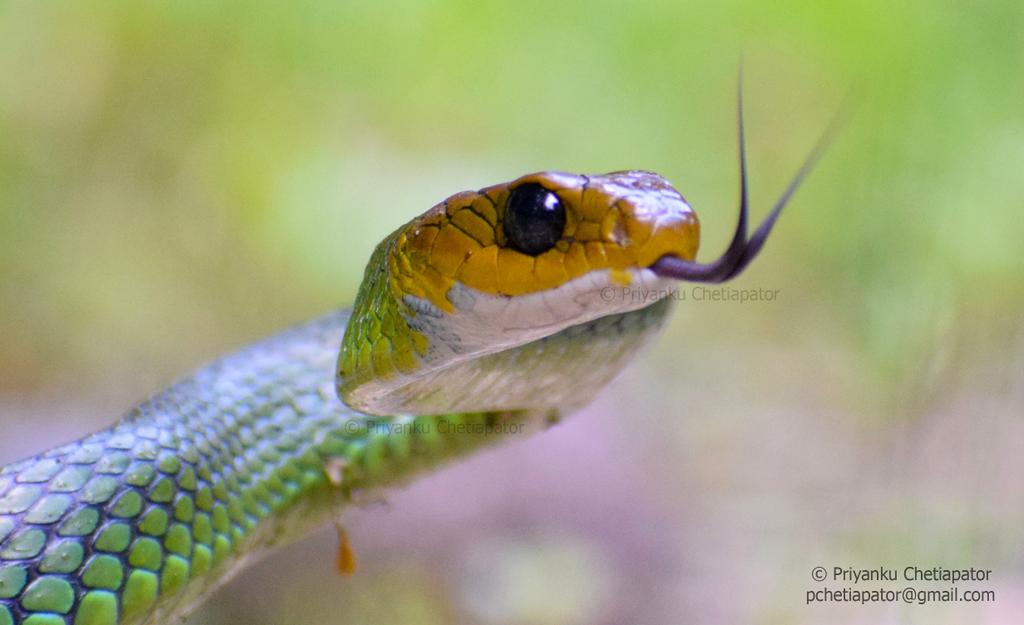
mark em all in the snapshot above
pixel 534 219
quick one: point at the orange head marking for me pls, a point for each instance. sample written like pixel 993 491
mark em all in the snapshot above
pixel 541 231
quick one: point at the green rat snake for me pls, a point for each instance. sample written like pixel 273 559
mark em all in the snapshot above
pixel 492 314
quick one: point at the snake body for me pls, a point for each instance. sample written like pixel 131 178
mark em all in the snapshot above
pixel 492 314
pixel 113 528
pixel 139 522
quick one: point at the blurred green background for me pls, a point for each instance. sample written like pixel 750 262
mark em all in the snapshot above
pixel 177 179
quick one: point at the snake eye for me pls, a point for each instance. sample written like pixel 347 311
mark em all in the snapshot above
pixel 534 219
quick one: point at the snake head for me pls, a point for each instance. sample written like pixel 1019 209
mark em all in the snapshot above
pixel 492 270
pixel 482 283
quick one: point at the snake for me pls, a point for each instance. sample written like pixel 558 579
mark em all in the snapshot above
pixel 490 316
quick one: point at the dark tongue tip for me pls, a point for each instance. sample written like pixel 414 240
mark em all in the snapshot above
pixel 742 250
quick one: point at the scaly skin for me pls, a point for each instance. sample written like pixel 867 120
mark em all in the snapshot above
pixel 136 523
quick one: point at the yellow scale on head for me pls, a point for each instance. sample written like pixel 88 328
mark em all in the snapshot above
pixel 463 240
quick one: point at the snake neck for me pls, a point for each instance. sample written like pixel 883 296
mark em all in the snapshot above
pixel 137 523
